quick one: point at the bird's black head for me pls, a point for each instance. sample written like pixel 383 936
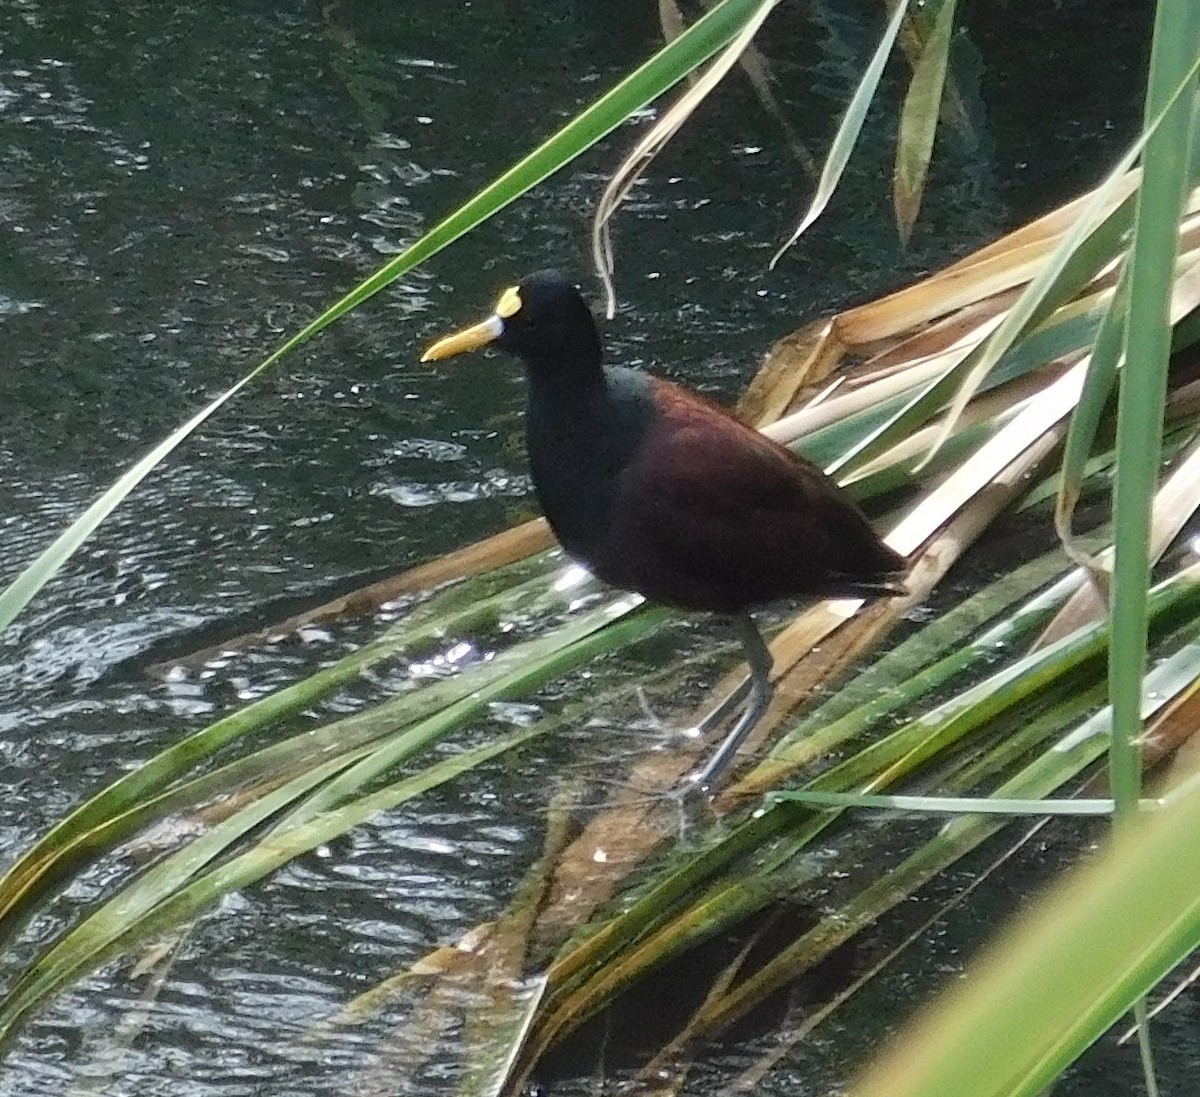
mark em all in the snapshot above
pixel 543 320
pixel 547 321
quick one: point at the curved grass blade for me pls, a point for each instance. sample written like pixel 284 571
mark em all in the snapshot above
pixel 1173 505
pixel 661 72
pixel 1098 385
pixel 17 595
pixel 626 175
pixel 848 131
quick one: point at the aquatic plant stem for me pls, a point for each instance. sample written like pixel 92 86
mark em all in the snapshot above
pixel 1142 401
pixel 1143 384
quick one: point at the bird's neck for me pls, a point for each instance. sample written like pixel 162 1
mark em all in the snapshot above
pixel 569 416
pixel 566 381
pixel 582 435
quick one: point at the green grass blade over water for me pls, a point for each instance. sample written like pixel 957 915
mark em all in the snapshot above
pixel 155 903
pixel 113 814
pixel 661 72
pixel 171 892
pixel 438 708
pixel 849 129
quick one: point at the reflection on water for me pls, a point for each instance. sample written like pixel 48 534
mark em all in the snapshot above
pixel 184 185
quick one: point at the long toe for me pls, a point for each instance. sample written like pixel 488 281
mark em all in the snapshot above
pixel 693 804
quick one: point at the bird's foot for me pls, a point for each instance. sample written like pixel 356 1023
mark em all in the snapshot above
pixel 670 735
pixel 693 805
pixel 650 720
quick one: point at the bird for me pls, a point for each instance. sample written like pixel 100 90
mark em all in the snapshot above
pixel 659 490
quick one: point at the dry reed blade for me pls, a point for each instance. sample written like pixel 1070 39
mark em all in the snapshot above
pixel 919 119
pixel 627 173
pixel 493 552
pixel 795 363
pixel 1175 502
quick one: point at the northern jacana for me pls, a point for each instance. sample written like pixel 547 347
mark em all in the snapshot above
pixel 658 490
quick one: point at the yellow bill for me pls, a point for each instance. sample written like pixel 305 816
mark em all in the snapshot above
pixel 479 335
pixel 472 338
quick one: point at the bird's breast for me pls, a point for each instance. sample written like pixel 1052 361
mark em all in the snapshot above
pixel 580 443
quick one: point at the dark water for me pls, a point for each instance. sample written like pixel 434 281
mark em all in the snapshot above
pixel 184 185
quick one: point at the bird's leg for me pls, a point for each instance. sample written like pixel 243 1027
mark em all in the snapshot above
pixel 724 708
pixel 758 656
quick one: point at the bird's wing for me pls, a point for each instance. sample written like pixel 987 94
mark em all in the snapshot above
pixel 719 501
